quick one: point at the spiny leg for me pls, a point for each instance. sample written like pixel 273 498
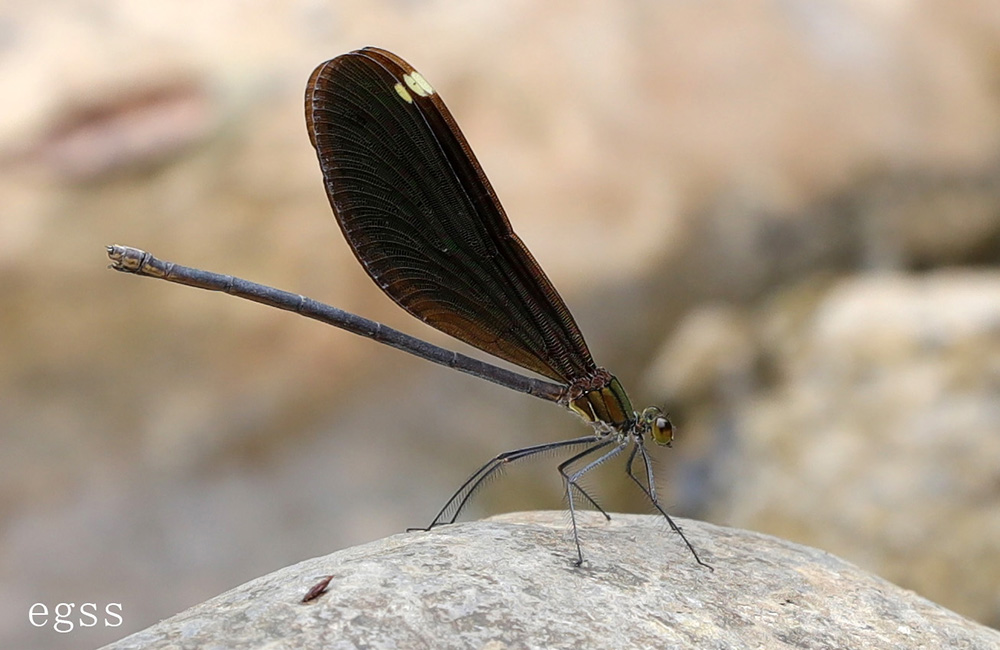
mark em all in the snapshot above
pixel 571 481
pixel 640 449
pixel 593 502
pixel 577 486
pixel 461 497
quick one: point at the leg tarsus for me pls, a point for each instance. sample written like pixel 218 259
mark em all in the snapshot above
pixel 639 449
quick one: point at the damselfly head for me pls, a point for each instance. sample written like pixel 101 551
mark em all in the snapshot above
pixel 658 424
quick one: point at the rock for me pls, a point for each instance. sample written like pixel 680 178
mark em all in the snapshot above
pixel 508 583
pixel 866 424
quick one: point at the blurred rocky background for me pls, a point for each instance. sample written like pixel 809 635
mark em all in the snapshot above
pixel 779 220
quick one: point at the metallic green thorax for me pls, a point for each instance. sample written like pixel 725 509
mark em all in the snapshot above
pixel 606 402
pixel 600 398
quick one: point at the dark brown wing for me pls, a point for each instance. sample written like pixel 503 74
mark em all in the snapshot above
pixel 422 218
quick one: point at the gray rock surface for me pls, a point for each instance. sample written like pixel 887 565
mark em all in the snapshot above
pixel 508 582
pixel 858 415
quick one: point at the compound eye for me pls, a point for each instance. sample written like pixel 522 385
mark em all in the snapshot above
pixel 662 430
